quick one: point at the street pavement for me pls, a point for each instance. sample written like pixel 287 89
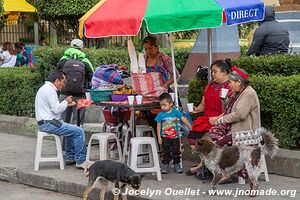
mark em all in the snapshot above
pixel 17 159
pixel 12 191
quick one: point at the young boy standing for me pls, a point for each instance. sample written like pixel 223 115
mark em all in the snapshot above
pixel 168 133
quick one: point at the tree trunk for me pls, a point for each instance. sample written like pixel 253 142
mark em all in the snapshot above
pixel 102 42
pixel 53 35
pixel 164 41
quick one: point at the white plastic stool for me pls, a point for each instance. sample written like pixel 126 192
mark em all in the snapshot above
pixel 107 126
pixel 133 156
pixel 103 139
pixel 251 138
pixel 93 127
pixel 125 141
pixel 38 153
pixel 141 131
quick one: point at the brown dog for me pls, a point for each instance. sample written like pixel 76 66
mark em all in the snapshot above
pixel 229 160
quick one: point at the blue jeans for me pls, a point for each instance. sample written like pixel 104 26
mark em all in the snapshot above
pixel 74 140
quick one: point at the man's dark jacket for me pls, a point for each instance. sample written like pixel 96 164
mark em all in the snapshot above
pixel 270 37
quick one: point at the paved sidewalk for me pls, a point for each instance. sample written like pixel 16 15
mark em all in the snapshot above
pixel 17 159
pixel 12 191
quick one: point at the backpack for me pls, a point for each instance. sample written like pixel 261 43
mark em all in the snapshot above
pixel 75 76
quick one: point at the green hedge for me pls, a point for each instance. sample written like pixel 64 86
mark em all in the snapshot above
pixel 279 98
pixel 243 50
pixel 196 88
pixel 18 87
pixel 285 65
pixel 48 57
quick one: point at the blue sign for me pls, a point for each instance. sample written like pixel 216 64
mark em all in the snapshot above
pixel 238 11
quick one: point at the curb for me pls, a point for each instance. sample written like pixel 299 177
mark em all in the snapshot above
pixel 286 163
pixel 24 126
pixel 14 175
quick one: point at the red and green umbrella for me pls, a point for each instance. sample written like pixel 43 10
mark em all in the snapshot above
pixel 125 17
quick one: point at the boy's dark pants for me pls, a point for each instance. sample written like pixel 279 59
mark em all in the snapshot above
pixel 171 150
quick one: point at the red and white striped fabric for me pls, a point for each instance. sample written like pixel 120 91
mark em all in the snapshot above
pixel 148 84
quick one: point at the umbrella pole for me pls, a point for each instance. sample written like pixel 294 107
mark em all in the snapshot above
pixel 209 49
pixel 174 69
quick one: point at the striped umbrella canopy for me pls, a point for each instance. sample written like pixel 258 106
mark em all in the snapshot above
pixel 125 17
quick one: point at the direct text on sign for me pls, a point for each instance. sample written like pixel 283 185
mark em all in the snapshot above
pixel 244 13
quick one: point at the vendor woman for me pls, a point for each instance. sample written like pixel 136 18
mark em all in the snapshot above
pixel 157 61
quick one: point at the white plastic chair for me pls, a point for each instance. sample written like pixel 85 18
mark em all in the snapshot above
pixel 38 153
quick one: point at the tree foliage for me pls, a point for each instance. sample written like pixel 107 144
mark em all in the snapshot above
pixel 2 18
pixel 57 9
pixel 64 15
pixel 244 29
pixel 1 8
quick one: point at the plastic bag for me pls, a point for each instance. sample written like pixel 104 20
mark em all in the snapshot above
pixel 132 55
pixel 148 84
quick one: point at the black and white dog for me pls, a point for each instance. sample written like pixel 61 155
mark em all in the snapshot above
pixel 229 160
pixel 107 170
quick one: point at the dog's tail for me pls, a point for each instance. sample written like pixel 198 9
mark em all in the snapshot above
pixel 270 146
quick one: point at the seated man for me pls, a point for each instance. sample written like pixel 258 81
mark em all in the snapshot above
pixel 48 111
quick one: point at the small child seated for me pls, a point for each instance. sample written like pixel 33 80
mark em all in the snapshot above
pixel 168 133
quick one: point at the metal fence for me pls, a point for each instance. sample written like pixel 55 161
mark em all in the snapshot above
pixel 14 32
pixel 23 33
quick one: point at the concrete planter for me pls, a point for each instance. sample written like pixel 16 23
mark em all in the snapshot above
pixel 289 2
pixel 288 5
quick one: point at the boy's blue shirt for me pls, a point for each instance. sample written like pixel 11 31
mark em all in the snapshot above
pixel 169 123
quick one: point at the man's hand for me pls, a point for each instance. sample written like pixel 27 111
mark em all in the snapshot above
pixel 69 99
